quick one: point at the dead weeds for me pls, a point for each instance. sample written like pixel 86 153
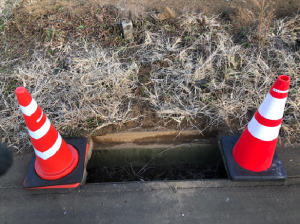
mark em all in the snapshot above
pixel 87 78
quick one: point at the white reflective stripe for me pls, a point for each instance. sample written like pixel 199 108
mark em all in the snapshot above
pixel 30 109
pixel 50 152
pixel 262 132
pixel 272 108
pixel 280 91
pixel 42 131
pixel 38 120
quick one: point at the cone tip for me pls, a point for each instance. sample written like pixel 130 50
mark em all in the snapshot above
pixel 23 96
pixel 284 78
pixel 280 87
pixel 20 90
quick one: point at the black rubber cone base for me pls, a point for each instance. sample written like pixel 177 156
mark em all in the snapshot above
pixel 69 181
pixel 237 173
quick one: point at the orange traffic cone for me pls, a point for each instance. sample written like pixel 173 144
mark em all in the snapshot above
pixel 55 159
pixel 254 151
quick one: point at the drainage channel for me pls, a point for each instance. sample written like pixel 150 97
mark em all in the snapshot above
pixel 187 158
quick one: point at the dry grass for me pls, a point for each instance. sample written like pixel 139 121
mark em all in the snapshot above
pixel 83 87
pixel 265 18
pixel 94 90
pixel 239 77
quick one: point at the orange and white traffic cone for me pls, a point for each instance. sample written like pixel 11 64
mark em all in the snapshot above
pixel 55 159
pixel 255 149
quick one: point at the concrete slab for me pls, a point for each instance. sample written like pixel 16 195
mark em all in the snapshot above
pixel 290 156
pixel 150 137
pixel 15 176
pixel 140 154
pixel 137 203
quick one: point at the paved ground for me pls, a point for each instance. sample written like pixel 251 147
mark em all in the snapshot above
pixel 208 201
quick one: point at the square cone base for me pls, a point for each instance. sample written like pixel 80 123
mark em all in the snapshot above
pixel 73 179
pixel 237 173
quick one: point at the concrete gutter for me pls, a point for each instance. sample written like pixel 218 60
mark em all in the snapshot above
pixel 202 201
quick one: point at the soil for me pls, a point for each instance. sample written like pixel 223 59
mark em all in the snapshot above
pixel 184 172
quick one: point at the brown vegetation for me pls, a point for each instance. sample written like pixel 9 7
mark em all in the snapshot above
pixel 90 81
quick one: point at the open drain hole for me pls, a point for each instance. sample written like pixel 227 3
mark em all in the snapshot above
pixel 155 163
pixel 158 173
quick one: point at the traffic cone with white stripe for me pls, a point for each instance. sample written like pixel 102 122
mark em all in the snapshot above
pixel 255 149
pixel 55 159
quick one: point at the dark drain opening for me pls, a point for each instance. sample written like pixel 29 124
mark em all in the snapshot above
pixel 129 173
pixel 131 162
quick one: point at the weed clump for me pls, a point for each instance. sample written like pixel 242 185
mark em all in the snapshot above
pixel 265 18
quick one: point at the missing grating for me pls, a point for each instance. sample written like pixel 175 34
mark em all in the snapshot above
pixel 153 162
pixel 163 173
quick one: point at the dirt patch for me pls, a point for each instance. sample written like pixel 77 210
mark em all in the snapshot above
pixel 167 14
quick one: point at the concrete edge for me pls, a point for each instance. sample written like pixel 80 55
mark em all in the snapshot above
pixel 88 157
pixel 151 186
